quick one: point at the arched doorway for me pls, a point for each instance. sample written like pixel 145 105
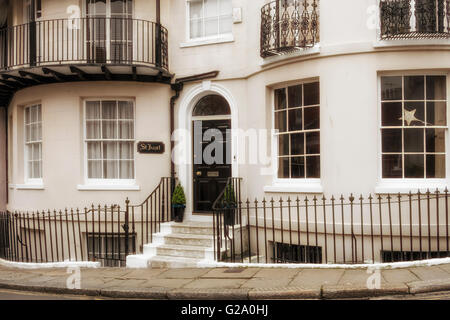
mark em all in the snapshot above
pixel 212 163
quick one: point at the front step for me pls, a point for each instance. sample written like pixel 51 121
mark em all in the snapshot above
pixel 197 240
pixel 178 245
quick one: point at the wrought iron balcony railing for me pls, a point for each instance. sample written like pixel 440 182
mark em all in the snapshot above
pixel 288 25
pixel 420 19
pixel 97 40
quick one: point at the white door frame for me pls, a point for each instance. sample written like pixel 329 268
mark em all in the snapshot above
pixel 183 147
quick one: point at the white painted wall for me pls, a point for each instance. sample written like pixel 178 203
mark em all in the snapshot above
pixel 347 63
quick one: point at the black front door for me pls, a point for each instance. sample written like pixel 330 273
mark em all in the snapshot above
pixel 212 161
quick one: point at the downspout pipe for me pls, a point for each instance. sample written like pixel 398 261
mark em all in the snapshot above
pixel 178 86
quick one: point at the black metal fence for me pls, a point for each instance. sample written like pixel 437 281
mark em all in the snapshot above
pixel 382 228
pixel 288 25
pixel 99 233
pixel 402 19
pixel 85 40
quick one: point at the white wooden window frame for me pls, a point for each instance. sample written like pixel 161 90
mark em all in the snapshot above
pixel 404 185
pixel 297 185
pixel 28 179
pixel 108 28
pixel 219 37
pixel 107 183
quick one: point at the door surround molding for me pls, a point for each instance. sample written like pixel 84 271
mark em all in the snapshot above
pixel 183 159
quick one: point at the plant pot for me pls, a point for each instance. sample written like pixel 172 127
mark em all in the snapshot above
pixel 178 212
pixel 229 216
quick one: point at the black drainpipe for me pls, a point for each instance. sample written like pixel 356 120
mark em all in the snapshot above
pixel 178 86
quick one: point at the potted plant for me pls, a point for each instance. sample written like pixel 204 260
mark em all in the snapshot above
pixel 229 204
pixel 178 203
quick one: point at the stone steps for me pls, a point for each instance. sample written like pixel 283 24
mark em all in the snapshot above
pixel 178 245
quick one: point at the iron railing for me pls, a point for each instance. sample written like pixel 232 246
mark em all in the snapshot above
pixel 404 19
pixel 95 40
pixel 335 230
pixel 288 25
pixel 100 233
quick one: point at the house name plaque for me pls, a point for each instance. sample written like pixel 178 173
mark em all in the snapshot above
pixel 151 147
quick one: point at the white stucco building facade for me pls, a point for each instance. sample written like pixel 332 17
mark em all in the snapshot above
pixel 339 98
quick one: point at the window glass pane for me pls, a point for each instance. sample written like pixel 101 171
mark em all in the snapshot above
pixel 312 142
pixel 312 118
pixel 30 170
pixel 109 110
pixel 126 110
pixel 313 167
pixel 126 129
pixel 295 119
pixel 211 8
pixel 435 140
pixel 391 140
pixel 110 169
pixel 95 169
pixel 109 129
pixel 126 150
pixel 27 116
pixel 436 88
pixel 414 114
pixel 93 129
pixel 414 87
pixel 92 110
pixel 436 166
pixel 280 121
pixel 195 9
pixel 297 167
pixel 110 151
pixel 211 26
pixel 196 30
pixel 283 167
pixel 226 7
pixel 391 88
pixel 311 94
pixel 297 143
pixel 225 24
pixel 280 99
pixel 36 152
pixel 392 166
pixel 212 105
pixel 414 166
pixel 295 96
pixel 414 140
pixel 126 169
pixel 283 144
pixel 391 113
pixel 436 113
pixel 94 150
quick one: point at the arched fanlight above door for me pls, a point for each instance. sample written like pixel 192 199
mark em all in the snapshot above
pixel 211 105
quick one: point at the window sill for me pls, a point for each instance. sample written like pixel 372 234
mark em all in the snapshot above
pixel 108 187
pixel 305 187
pixel 207 41
pixel 404 187
pixel 29 186
pixel 410 42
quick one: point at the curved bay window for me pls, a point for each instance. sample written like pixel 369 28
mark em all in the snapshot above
pixel 297 121
pixel 413 126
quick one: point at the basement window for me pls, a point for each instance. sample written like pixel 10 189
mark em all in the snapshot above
pixel 293 253
pixel 397 256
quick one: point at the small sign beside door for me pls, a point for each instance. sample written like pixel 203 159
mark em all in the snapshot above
pixel 151 147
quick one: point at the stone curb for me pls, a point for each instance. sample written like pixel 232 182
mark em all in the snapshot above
pixel 285 293
pixel 429 286
pixel 348 291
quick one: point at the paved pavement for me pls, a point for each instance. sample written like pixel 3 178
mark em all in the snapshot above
pixel 231 283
